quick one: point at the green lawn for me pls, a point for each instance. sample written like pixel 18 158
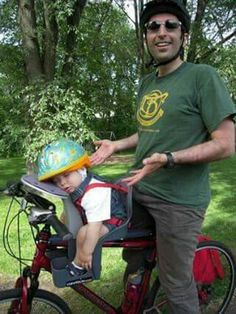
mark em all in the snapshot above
pixel 11 169
pixel 220 224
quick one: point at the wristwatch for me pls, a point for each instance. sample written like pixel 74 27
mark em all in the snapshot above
pixel 170 160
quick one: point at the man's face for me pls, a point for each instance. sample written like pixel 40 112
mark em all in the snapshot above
pixel 68 181
pixel 164 43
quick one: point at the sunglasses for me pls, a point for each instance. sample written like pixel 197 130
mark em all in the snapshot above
pixel 155 25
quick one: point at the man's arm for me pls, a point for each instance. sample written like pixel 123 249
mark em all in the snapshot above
pixel 221 145
pixel 107 148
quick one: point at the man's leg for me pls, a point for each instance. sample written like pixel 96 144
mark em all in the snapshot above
pixel 136 260
pixel 141 219
pixel 177 228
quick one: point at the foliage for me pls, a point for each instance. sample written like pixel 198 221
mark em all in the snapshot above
pixel 8 22
pixel 92 47
pixel 55 111
pixel 212 37
pixel 102 68
pixel 106 68
pixel 12 129
pixel 224 60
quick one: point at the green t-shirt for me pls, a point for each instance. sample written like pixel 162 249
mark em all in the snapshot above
pixel 175 112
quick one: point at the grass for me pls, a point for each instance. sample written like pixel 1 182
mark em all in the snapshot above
pixel 220 224
pixel 11 169
pixel 220 221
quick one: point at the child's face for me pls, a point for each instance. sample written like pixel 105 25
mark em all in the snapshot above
pixel 68 181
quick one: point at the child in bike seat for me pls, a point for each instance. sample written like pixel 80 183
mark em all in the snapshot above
pixel 65 163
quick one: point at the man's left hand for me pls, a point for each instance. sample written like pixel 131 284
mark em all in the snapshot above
pixel 151 164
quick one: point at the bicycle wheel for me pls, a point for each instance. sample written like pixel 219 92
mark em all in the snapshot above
pixel 213 298
pixel 43 302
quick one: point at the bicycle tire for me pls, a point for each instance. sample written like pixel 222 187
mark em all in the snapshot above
pixel 43 302
pixel 219 293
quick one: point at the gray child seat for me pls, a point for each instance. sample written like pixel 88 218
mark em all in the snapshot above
pixel 60 275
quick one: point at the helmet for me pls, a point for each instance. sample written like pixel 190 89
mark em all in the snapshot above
pixel 59 156
pixel 175 7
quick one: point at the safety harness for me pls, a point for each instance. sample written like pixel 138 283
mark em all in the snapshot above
pixel 79 193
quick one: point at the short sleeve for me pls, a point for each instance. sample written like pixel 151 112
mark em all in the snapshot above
pixel 97 204
pixel 214 99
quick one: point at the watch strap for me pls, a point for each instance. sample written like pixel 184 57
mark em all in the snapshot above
pixel 170 160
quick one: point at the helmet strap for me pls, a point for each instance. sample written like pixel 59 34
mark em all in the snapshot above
pixel 83 173
pixel 171 59
pixel 153 62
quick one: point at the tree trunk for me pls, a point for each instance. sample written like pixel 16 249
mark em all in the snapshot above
pixel 50 40
pixel 196 32
pixel 27 20
pixel 70 47
pixel 138 6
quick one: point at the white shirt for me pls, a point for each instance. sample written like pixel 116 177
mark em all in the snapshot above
pixel 97 203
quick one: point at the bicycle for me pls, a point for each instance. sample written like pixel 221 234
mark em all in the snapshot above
pixel 52 252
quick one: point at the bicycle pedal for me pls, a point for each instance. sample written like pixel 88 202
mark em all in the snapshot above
pixel 78 281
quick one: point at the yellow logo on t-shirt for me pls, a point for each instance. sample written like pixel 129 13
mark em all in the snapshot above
pixel 150 109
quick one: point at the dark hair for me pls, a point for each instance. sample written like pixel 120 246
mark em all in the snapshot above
pixel 175 7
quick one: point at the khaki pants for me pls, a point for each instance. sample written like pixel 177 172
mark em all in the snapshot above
pixel 177 228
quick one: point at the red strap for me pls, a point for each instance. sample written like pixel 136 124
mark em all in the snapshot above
pixel 115 221
pixel 112 220
pixel 107 185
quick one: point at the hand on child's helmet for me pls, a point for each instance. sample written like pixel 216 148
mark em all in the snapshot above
pixel 60 156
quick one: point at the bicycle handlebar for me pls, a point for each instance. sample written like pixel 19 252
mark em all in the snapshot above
pixel 16 189
pixel 13 189
pixel 59 227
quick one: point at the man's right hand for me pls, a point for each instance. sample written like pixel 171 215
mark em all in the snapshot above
pixel 105 149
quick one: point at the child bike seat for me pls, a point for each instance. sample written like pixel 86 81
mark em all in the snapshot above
pixel 61 277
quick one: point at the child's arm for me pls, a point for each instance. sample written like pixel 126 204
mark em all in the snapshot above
pixel 63 217
pixel 87 239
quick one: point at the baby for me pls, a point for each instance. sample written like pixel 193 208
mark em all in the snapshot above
pixel 65 163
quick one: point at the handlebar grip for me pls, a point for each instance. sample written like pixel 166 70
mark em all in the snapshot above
pixel 14 189
pixel 59 227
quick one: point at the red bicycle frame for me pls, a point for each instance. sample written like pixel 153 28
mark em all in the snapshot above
pixel 28 282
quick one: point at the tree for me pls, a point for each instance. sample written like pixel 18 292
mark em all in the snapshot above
pixel 31 59
pixel 94 50
pixel 108 73
pixel 213 27
pixel 106 69
pixel 40 55
pixel 212 34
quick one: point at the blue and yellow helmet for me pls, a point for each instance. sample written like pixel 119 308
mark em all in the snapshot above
pixel 60 156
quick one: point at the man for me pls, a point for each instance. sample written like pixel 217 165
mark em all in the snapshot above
pixel 185 120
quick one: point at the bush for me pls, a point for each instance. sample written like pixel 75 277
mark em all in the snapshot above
pixel 55 111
